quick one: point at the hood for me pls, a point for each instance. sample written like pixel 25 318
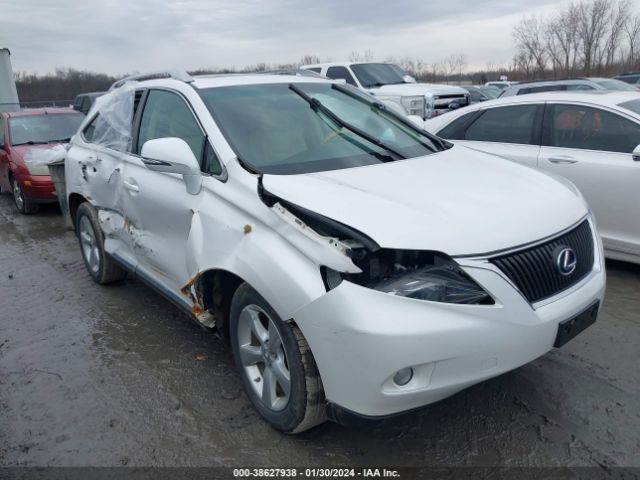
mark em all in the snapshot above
pixel 459 201
pixel 409 89
pixel 37 158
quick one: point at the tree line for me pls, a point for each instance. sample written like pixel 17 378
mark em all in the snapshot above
pixel 589 37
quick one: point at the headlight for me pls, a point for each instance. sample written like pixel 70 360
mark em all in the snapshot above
pixel 422 275
pixel 37 168
pixel 436 284
pixel 413 105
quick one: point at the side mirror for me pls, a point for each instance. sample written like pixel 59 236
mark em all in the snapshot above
pixel 417 120
pixel 173 155
pixel 409 79
pixel 636 154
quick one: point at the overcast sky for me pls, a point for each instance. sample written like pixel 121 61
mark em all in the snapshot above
pixel 121 36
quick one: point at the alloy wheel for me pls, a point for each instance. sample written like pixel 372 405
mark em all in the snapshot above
pixel 18 196
pixel 89 245
pixel 263 357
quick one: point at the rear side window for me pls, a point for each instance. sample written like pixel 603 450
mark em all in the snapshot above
pixel 504 125
pixel 575 126
pixel 579 87
pixel 340 73
pixel 315 69
pixel 90 129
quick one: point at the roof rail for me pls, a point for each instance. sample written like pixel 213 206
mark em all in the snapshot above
pixel 175 74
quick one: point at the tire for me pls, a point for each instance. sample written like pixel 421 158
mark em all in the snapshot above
pixel 100 265
pixel 265 350
pixel 24 205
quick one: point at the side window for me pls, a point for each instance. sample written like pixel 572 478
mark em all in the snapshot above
pixel 167 115
pixel 210 162
pixel 504 125
pixel 315 69
pixel 455 130
pixel 1 131
pixel 579 87
pixel 575 126
pixel 90 129
pixel 340 73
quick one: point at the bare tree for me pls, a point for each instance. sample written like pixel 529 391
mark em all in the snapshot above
pixel 632 31
pixel 561 41
pixel 366 56
pixel 309 60
pixel 529 35
pixel 593 20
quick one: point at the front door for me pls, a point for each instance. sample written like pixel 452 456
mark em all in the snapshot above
pixel 157 205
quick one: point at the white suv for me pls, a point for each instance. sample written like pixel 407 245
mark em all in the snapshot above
pixel 360 266
pixel 392 86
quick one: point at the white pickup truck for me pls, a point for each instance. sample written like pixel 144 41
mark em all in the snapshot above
pixel 391 85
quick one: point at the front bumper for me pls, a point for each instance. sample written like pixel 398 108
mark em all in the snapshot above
pixel 38 188
pixel 360 338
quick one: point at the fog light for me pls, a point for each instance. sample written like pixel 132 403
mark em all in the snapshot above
pixel 403 376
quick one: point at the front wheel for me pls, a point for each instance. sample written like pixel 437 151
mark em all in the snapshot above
pixel 24 205
pixel 277 368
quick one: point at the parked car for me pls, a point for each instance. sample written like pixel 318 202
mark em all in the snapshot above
pixel 84 101
pixel 24 137
pixel 390 84
pixel 501 84
pixel 360 266
pixel 539 86
pixel 482 94
pixel 632 78
pixel 591 138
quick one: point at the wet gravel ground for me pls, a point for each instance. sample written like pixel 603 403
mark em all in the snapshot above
pixel 111 376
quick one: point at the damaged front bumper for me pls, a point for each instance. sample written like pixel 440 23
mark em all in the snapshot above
pixel 361 338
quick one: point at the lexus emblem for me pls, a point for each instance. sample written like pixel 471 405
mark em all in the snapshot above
pixel 566 261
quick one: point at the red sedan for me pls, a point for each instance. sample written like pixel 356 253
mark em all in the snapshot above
pixel 23 135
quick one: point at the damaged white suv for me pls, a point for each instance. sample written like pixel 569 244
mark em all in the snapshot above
pixel 360 266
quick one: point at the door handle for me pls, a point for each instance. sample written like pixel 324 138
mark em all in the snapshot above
pixel 131 185
pixel 563 160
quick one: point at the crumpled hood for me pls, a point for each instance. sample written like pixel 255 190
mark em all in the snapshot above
pixel 410 89
pixel 459 201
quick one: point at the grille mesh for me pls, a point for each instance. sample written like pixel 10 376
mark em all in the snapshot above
pixel 534 270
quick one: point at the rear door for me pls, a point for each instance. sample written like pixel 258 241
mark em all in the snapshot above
pixel 510 131
pixel 592 147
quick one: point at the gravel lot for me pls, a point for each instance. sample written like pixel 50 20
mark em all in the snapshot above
pixel 111 376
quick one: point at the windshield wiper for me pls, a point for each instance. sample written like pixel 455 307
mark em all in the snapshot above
pixel 383 109
pixel 60 140
pixel 317 105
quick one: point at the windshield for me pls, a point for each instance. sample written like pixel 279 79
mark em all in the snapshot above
pixel 378 74
pixel 617 85
pixel 274 129
pixel 44 128
pixel 491 92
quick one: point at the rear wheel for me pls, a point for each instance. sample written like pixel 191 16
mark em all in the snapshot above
pixel 277 368
pixel 100 266
pixel 24 205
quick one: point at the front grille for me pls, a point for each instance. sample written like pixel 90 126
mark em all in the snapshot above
pixel 534 270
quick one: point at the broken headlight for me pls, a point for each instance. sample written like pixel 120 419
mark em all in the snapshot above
pixel 422 275
pixel 436 284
